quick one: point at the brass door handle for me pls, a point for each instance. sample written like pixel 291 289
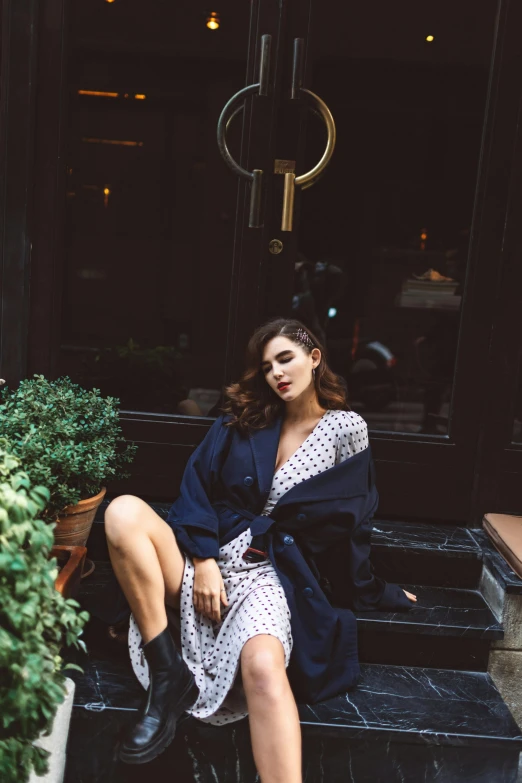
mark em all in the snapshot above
pixel 230 110
pixel 306 180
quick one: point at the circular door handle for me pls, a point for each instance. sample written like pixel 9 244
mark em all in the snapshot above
pixel 307 180
pixel 230 110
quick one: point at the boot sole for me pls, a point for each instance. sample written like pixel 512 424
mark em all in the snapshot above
pixel 163 739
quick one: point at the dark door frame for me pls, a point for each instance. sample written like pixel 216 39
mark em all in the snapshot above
pixel 17 104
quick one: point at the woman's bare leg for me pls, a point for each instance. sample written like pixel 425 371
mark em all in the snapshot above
pixel 146 560
pixel 272 711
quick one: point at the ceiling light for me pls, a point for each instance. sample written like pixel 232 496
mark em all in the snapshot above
pixel 213 21
pixel 98 93
pixel 430 38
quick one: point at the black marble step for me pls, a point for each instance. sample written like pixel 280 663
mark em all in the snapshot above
pixel 416 553
pixel 446 628
pixel 400 724
pixel 439 611
pixel 437 555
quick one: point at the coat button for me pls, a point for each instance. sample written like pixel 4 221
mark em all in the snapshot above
pixel 288 540
pixel 248 481
pixel 308 591
pixel 301 517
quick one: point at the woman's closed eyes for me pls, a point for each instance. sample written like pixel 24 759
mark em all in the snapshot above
pixel 281 361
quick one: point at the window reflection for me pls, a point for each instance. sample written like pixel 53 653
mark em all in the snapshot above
pixel 145 288
pixel 385 234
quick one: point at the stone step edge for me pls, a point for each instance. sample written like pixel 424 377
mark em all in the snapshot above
pixel 379 620
pixel 356 730
pixel 397 622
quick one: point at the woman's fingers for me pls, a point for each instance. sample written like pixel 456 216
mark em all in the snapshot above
pixel 223 595
pixel 207 585
pixel 216 609
pixel 410 596
pixel 209 605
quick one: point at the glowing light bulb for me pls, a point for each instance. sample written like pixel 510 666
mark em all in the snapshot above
pixel 430 38
pixel 213 21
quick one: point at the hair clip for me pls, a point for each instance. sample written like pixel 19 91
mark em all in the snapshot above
pixel 304 338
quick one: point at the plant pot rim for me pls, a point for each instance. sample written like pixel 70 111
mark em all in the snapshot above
pixel 84 505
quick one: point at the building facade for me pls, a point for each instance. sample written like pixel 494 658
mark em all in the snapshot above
pixel 141 244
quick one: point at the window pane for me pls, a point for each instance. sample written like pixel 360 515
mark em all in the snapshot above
pixel 384 235
pixel 150 205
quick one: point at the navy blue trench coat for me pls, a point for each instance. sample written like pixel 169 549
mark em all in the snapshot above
pixel 322 521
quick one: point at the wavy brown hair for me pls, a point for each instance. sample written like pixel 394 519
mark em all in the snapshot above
pixel 253 404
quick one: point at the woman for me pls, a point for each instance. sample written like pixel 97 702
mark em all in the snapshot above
pixel 281 480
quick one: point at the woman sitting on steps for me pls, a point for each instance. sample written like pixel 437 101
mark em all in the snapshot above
pixel 281 478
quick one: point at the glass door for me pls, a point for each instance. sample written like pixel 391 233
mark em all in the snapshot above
pixel 394 247
pixel 150 215
pixel 146 276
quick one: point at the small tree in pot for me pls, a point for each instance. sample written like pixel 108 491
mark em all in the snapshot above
pixel 68 439
pixel 35 620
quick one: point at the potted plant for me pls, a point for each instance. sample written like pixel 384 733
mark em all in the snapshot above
pixel 35 621
pixel 68 439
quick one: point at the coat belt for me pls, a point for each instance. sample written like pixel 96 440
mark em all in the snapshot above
pixel 257 550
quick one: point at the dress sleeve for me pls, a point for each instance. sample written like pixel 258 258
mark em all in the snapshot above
pixel 352 436
pixel 192 517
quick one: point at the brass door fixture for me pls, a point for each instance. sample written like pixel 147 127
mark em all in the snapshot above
pixel 230 110
pixel 306 180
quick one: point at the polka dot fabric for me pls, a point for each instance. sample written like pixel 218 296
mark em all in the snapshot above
pixel 256 600
pixel 337 436
pixel 256 605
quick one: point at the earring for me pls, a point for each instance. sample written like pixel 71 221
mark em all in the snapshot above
pixel 313 373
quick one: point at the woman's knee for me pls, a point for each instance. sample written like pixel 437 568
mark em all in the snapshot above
pixel 121 515
pixel 263 667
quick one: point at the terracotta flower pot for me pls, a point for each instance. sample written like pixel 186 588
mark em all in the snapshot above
pixel 75 522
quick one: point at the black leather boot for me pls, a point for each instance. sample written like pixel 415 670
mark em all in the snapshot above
pixel 172 690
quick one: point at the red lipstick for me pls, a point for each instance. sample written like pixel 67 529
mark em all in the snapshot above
pixel 282 386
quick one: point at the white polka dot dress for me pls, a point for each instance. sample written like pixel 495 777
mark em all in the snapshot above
pixel 256 600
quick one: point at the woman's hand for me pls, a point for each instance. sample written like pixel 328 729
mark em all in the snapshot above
pixel 209 590
pixel 411 596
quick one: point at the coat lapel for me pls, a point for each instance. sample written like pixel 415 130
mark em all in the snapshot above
pixel 348 479
pixel 264 444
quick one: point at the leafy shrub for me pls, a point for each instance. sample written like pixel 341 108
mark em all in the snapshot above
pixel 67 438
pixel 35 620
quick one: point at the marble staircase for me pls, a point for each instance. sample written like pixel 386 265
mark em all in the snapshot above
pixel 426 708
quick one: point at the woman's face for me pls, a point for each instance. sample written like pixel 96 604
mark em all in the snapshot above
pixel 287 367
